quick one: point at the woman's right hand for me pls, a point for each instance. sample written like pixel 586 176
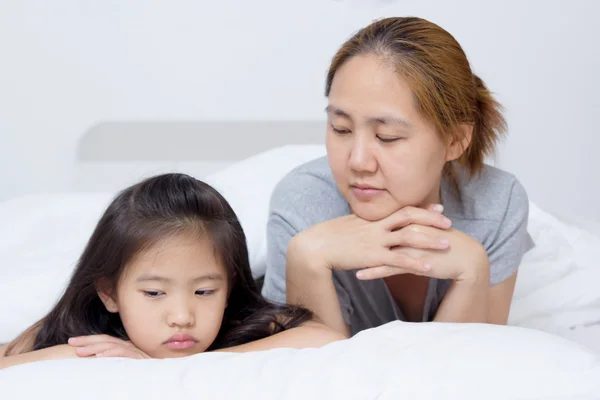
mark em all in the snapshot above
pixel 350 242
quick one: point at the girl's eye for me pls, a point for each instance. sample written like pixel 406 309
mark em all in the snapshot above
pixel 205 292
pixel 340 131
pixel 152 293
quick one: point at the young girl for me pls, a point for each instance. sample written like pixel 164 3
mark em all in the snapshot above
pixel 164 274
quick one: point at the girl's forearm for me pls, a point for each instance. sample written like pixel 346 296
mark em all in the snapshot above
pixel 50 353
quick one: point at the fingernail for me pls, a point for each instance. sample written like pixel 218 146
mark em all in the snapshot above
pixel 444 242
pixel 438 208
pixel 447 221
pixel 360 274
pixel 427 267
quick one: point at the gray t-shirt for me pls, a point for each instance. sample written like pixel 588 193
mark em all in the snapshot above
pixel 491 207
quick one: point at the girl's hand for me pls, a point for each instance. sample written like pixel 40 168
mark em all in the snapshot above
pixel 350 242
pixel 105 346
pixel 464 258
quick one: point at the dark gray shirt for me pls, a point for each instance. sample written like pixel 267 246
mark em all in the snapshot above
pixel 491 207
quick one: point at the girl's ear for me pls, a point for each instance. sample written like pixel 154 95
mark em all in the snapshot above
pixel 458 145
pixel 107 298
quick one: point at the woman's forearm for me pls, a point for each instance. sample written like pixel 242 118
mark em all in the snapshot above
pixel 467 300
pixel 309 283
pixel 50 353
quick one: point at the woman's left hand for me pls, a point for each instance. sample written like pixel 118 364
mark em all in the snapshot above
pixel 105 346
pixel 464 258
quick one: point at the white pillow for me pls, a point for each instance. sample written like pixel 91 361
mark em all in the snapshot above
pixel 41 238
pixel 247 185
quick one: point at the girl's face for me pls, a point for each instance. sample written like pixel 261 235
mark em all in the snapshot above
pixel 171 298
pixel 383 154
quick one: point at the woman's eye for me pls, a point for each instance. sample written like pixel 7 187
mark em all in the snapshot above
pixel 204 292
pixel 152 293
pixel 340 131
pixel 388 140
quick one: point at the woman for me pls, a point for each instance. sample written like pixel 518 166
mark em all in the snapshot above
pixel 402 220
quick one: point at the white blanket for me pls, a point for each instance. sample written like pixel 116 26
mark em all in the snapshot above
pixel 395 361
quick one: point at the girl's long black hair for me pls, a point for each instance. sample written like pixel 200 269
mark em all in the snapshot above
pixel 137 218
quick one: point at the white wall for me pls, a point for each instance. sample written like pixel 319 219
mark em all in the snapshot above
pixel 66 65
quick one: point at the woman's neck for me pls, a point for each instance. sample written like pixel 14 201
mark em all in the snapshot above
pixel 434 197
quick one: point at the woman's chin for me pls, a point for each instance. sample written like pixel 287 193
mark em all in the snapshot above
pixel 375 211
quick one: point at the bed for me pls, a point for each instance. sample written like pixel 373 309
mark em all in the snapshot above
pixel 551 348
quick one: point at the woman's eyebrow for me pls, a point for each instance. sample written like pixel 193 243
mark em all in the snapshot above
pixel 337 111
pixel 384 119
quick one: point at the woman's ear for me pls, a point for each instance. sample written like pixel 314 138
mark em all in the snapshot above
pixel 459 144
pixel 107 297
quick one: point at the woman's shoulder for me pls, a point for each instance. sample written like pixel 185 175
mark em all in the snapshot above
pixel 315 172
pixel 309 189
pixel 492 195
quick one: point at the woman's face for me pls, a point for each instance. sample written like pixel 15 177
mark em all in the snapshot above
pixel 384 155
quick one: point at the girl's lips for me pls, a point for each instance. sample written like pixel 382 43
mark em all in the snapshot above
pixel 180 345
pixel 180 341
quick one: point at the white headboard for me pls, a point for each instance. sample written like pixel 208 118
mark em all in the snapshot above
pixel 113 155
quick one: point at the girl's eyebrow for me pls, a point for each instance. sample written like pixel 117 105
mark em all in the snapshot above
pixel 209 277
pixel 158 278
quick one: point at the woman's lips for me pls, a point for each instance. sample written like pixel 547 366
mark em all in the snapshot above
pixel 366 192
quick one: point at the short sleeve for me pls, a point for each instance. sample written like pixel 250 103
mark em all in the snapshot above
pixel 279 234
pixel 512 239
pixel 287 218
